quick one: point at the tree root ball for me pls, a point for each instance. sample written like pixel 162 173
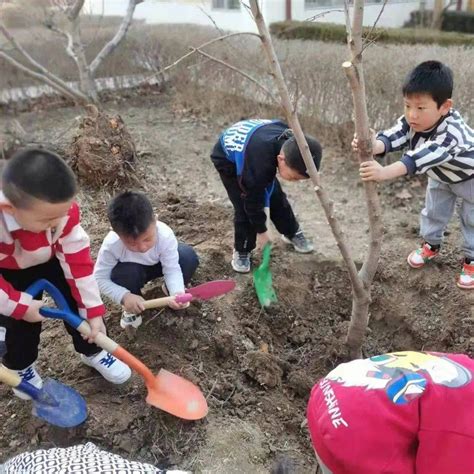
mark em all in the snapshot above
pixel 102 152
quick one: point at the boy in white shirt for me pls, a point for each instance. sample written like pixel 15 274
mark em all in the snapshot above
pixel 139 249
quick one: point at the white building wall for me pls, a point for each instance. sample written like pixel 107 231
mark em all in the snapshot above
pixel 395 13
pixel 162 11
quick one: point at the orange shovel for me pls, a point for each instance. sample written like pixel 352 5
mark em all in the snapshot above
pixel 166 391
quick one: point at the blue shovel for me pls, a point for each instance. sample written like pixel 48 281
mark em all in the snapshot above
pixel 166 391
pixel 55 402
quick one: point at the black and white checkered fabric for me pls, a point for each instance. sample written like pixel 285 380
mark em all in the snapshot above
pixel 81 459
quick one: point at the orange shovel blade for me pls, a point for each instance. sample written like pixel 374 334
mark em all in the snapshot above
pixel 168 391
pixel 177 396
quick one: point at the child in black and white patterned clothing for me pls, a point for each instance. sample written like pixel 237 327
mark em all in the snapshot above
pixel 441 145
pixel 81 459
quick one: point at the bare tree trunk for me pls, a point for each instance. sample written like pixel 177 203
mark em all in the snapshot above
pixel 360 294
pixel 75 50
pixel 437 14
pixel 355 74
pixel 360 281
pixel 116 40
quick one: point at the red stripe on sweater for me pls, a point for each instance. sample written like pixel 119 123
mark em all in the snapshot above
pixel 90 312
pixel 10 263
pixel 80 263
pixel 19 311
pixel 7 248
pixel 74 218
pixel 31 241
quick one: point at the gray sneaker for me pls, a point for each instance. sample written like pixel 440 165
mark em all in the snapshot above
pixel 241 261
pixel 300 243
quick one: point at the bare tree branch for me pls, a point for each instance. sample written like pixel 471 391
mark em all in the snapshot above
pixel 212 20
pixel 322 14
pixel 69 42
pixel 67 91
pixel 115 41
pixel 194 50
pixel 52 78
pixel 347 17
pixel 75 9
pixel 238 71
pixel 368 39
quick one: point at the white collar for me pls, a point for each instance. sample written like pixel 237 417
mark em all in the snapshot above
pixel 10 221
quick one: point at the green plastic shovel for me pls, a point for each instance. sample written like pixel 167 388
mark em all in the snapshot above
pixel 262 279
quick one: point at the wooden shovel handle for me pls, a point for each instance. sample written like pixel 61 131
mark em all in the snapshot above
pixel 158 302
pixel 9 377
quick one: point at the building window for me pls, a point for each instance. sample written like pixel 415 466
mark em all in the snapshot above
pixel 226 4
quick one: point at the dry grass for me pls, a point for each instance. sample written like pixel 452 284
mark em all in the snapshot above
pixel 313 71
pixel 314 76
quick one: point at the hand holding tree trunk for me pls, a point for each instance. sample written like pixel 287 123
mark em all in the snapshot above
pixel 360 281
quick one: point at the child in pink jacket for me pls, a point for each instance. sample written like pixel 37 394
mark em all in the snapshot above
pixel 404 412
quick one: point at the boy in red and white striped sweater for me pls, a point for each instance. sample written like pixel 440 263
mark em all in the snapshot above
pixel 41 237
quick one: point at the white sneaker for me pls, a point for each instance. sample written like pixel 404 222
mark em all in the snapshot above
pixel 31 376
pixel 112 369
pixel 130 320
pixel 241 261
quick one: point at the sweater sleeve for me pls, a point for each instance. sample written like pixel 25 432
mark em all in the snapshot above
pixel 397 137
pixel 258 174
pixel 169 259
pixel 13 303
pixel 106 261
pixel 73 253
pixel 254 205
pixel 431 153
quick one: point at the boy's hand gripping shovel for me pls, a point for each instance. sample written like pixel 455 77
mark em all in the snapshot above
pixel 167 391
pixel 55 402
pixel 262 279
pixel 206 291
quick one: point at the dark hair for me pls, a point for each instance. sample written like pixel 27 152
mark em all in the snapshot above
pixel 130 214
pixel 293 156
pixel 34 173
pixel 431 77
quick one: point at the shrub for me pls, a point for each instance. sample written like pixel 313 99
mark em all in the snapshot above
pixel 458 21
pixel 337 33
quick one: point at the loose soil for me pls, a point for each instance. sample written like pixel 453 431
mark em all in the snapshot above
pixel 255 367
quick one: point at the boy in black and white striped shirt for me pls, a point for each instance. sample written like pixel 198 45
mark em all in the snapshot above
pixel 441 145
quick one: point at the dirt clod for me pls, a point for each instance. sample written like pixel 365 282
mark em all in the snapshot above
pixel 264 368
pixel 300 382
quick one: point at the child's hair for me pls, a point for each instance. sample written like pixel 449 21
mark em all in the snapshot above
pixel 293 156
pixel 34 173
pixel 130 214
pixel 430 77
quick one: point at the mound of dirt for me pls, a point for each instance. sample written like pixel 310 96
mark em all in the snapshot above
pixel 102 152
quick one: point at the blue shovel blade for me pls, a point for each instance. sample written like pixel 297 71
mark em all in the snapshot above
pixel 60 405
